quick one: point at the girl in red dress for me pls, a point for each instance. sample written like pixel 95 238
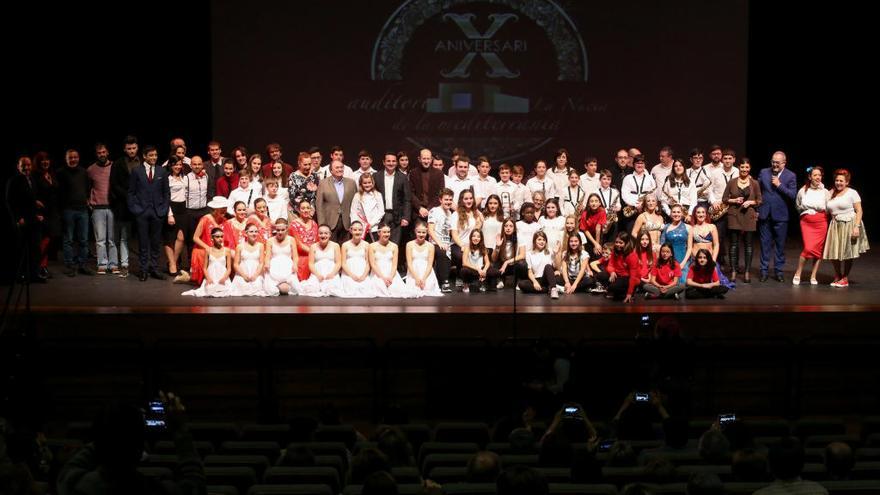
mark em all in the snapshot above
pixel 305 230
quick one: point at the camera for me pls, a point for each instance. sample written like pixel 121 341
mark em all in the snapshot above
pixel 726 419
pixel 641 397
pixel 154 416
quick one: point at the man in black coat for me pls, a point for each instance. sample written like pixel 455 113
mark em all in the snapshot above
pixel 396 192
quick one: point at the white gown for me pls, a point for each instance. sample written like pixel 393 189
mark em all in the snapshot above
pixel 419 264
pixel 249 263
pixel 356 261
pixel 216 269
pixel 281 271
pixel 397 288
pixel 325 260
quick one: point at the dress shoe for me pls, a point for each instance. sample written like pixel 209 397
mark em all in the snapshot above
pixel 82 270
pixel 143 276
pixel 763 277
pixel 157 275
pixel 779 277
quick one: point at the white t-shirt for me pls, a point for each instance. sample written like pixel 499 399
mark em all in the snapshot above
pixel 843 206
pixel 525 232
pixel 537 260
pixel 547 186
pixel 442 224
pixel 553 227
pixel 457 186
pixel 464 235
pixel 278 204
pixel 491 228
pixel 590 184
pixel 575 267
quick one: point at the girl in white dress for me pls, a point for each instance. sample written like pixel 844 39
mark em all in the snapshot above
pixel 249 264
pixel 355 268
pixel 420 278
pixel 368 207
pixel 218 267
pixel 325 260
pixel 383 262
pixel 282 259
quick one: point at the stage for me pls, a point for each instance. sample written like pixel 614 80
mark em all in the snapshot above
pixel 498 314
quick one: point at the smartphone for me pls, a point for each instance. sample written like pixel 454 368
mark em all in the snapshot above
pixel 605 445
pixel 645 322
pixel 726 419
pixel 154 416
pixel 642 397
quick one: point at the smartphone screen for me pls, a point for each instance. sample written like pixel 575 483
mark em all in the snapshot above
pixel 641 397
pixel 154 416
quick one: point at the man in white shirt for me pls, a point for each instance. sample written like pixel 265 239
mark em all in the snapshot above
pixel 199 190
pixel 244 192
pixel 460 181
pixel 456 154
pixel 484 184
pixel 720 178
pixel 590 180
pixel 511 193
pixel 635 187
pixel 662 170
pixel 439 233
pixel 700 178
pixel 365 162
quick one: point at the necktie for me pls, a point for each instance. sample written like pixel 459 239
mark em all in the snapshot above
pixel 150 174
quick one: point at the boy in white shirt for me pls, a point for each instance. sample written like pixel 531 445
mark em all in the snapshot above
pixel 244 192
pixel 439 233
pixel 484 184
pixel 590 180
pixel 276 200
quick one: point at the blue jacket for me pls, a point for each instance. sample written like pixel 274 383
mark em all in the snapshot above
pixel 776 200
pixel 144 195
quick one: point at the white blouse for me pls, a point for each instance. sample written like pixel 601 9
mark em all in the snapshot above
pixel 843 206
pixel 812 200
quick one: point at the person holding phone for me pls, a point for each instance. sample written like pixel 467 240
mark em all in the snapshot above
pixel 109 464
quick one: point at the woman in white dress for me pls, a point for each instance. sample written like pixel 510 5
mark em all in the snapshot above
pixel 383 263
pixel 355 268
pixel 249 262
pixel 846 238
pixel 282 259
pixel 217 269
pixel 420 278
pixel 325 260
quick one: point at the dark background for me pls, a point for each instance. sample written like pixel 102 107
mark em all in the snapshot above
pixel 81 73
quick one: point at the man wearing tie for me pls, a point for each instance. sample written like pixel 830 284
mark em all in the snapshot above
pixel 778 187
pixel 148 197
pixel 333 201
pixel 396 192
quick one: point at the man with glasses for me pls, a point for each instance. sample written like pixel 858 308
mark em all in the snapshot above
pixel 778 188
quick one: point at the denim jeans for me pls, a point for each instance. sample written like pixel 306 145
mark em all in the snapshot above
pixel 76 229
pixel 105 245
pixel 123 233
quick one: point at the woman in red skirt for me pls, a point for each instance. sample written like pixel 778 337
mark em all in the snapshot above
pixel 812 200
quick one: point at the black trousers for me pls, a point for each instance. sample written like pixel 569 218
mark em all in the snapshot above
pixel 547 279
pixel 470 276
pixel 149 240
pixel 442 264
pixel 583 285
pixel 618 288
pixel 701 293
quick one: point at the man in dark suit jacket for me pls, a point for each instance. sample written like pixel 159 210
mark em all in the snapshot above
pixel 21 201
pixel 214 165
pixel 426 183
pixel 398 202
pixel 333 202
pixel 148 198
pixel 778 188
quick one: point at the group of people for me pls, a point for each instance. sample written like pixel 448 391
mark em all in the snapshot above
pixel 248 227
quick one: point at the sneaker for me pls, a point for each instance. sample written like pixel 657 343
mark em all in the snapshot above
pixel 677 296
pixel 560 288
pixel 458 284
pixel 518 289
pixel 499 285
pixel 114 270
pixel 598 289
pixel 795 280
pixel 123 272
pixel 483 287
pixel 444 288
pixel 843 283
pixel 465 289
pixel 813 281
pixel 835 283
pixel 102 270
pixel 554 293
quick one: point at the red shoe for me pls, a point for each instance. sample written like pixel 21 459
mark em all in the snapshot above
pixel 843 282
pixel 835 282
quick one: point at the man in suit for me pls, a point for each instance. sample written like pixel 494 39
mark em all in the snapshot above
pixel 778 188
pixel 21 201
pixel 333 201
pixel 425 183
pixel 214 167
pixel 148 198
pixel 396 192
